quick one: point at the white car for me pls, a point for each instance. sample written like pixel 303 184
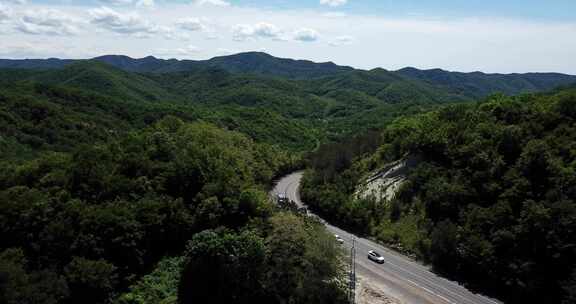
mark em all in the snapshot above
pixel 339 239
pixel 281 198
pixel 375 256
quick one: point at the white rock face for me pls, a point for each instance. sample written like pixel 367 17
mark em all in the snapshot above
pixel 385 183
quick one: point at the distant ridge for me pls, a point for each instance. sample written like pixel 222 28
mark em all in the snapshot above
pixel 50 63
pixel 383 83
pixel 250 62
pixel 479 84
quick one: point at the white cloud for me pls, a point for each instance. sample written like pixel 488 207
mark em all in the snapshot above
pixel 212 36
pixel 170 34
pixel 44 47
pixel 191 24
pixel 333 3
pixel 341 40
pixel 133 24
pixel 306 35
pixel 146 3
pixel 47 22
pixel 130 23
pixel 5 13
pixel 334 14
pixel 243 32
pixel 178 52
pixel 212 2
pixel 486 44
pixel 266 30
pixel 20 2
pixel 225 51
pixel 137 3
pixel 115 2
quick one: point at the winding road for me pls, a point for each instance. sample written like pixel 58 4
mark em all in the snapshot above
pixel 402 278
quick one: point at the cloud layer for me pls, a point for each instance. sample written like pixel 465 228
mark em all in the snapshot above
pixel 204 28
pixel 333 3
pixel 5 13
pixel 127 23
pixel 47 22
pixel 306 35
pixel 243 32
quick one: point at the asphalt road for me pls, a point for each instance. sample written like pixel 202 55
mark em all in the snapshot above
pixel 403 278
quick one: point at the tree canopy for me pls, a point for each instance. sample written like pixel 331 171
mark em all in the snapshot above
pixel 86 224
pixel 491 203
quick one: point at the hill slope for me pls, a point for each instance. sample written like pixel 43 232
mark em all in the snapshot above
pixel 294 113
pixel 490 202
pixel 246 63
pixel 386 86
pixel 478 85
pixel 459 85
pixel 275 110
pixel 105 79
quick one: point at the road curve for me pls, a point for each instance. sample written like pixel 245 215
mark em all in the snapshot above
pixel 405 279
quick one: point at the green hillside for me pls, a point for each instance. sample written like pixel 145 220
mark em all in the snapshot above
pixel 479 85
pixel 388 87
pixel 490 203
pixel 105 100
pixel 36 117
pixel 296 114
pixel 56 110
pixel 86 226
pixel 256 63
pixel 105 79
pixel 119 186
pixel 458 85
pixel 259 63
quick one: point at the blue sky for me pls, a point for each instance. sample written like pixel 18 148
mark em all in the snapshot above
pixel 554 10
pixel 551 10
pixel 463 35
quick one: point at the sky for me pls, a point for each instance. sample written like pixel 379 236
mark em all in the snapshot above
pixel 495 36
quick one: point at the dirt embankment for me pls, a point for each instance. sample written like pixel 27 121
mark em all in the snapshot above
pixel 385 183
pixel 370 293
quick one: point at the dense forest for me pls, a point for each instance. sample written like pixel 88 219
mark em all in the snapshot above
pixel 118 187
pixel 144 181
pixel 54 109
pixel 83 226
pixel 467 85
pixel 490 202
pixel 251 93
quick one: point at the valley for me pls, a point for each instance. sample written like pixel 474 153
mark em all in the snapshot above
pixel 133 181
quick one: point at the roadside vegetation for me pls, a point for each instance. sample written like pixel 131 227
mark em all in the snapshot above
pixel 491 203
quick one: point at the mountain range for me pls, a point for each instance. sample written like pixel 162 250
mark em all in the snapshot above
pixel 291 103
pixel 251 62
pixel 459 85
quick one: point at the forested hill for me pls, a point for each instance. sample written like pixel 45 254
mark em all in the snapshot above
pixel 490 201
pixel 55 109
pixel 250 62
pixel 47 108
pixel 462 85
pixel 120 187
pixel 121 179
pixel 478 84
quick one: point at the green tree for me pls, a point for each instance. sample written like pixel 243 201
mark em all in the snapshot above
pixel 90 281
pixel 19 285
pixel 223 267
